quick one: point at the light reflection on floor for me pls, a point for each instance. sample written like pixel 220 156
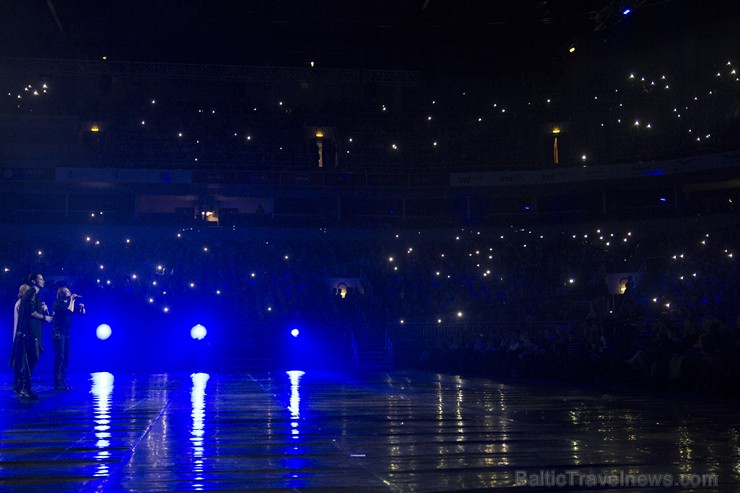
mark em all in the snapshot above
pixel 322 431
pixel 197 430
pixel 101 389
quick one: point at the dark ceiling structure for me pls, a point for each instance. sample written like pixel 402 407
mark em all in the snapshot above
pixel 445 35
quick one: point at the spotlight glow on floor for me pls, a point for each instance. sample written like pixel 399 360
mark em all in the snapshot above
pixel 198 332
pixel 103 331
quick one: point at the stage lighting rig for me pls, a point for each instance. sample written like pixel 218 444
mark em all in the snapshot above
pixel 615 11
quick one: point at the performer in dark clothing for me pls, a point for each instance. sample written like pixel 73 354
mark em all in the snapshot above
pixel 21 291
pixel 27 343
pixel 64 307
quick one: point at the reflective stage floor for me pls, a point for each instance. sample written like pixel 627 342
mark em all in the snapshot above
pixel 325 432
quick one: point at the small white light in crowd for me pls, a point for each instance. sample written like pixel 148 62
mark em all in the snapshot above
pixel 459 314
pixel 218 291
pixel 101 266
pixel 166 309
pixel 134 276
pixel 151 300
pixel 192 284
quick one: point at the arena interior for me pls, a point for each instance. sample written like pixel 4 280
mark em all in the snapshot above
pixel 389 246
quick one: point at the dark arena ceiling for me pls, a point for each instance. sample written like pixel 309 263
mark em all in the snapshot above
pixel 473 36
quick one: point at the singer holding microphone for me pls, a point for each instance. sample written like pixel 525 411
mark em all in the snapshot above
pixel 64 307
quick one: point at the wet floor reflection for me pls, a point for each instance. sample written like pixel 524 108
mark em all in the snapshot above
pixel 197 429
pixel 102 388
pixel 335 432
pixel 295 461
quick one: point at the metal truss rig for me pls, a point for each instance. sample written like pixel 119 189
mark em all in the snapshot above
pixel 191 71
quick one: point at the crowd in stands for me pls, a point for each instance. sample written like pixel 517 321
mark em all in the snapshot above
pixel 514 302
pixel 436 126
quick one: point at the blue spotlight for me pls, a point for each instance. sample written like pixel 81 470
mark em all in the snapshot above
pixel 294 332
pixel 103 331
pixel 626 11
pixel 198 332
